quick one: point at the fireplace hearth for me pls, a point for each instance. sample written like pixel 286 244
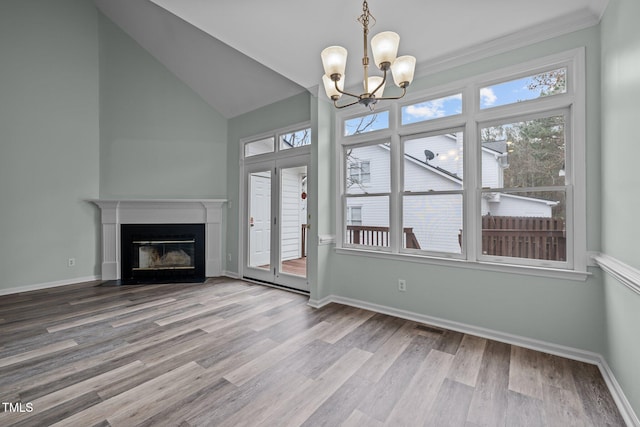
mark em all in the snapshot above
pixel 162 253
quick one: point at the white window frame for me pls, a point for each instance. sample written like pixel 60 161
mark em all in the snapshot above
pixel 345 195
pixel 471 120
pixel 403 192
pixel 277 151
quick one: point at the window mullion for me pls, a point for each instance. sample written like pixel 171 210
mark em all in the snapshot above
pixel 472 176
pixel 395 214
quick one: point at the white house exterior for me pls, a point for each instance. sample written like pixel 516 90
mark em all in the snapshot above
pixel 436 219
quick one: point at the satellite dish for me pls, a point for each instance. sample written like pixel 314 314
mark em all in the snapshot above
pixel 429 155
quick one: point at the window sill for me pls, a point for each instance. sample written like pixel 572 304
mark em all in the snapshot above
pixel 553 273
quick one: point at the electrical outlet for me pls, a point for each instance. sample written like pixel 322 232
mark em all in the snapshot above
pixel 228 257
pixel 402 285
pixel 71 262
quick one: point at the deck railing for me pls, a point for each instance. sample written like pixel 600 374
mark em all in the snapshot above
pixel 369 235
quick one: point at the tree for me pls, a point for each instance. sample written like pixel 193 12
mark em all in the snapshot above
pixel 297 139
pixel 536 148
pixel 355 165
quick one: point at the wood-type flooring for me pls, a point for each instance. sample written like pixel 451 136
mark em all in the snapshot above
pixel 230 353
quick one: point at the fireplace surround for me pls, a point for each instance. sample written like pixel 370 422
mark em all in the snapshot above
pixel 206 212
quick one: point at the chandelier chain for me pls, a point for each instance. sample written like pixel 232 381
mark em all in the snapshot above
pixel 366 16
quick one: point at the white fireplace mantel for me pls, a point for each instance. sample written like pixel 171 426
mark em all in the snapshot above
pixel 160 211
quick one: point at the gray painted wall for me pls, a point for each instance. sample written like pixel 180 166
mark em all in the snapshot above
pixel 158 138
pixel 49 141
pixel 620 183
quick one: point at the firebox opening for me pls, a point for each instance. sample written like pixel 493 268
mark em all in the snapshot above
pixel 162 253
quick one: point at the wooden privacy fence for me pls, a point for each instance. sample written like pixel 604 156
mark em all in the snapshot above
pixel 524 237
pixel 378 236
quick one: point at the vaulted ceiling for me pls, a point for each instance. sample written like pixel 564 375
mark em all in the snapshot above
pixel 244 54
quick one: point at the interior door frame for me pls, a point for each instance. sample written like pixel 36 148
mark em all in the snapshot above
pixel 275 163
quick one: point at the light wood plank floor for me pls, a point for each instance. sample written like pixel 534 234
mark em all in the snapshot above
pixel 229 353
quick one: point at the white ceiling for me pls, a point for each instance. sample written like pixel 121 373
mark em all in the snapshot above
pixel 243 54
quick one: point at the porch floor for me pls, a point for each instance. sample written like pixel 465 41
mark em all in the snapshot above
pixel 296 266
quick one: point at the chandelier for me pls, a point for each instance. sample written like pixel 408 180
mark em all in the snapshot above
pixel 384 47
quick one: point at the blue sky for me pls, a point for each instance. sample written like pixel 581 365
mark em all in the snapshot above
pixel 490 96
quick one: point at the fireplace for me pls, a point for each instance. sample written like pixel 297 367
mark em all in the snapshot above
pixel 162 253
pixel 207 213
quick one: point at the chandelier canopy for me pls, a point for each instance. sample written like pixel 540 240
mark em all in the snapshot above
pixel 384 47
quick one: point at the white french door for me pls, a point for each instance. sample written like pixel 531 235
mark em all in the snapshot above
pixel 275 221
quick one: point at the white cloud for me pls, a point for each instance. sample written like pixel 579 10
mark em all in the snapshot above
pixel 487 97
pixel 427 110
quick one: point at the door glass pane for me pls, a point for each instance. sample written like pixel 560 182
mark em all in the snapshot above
pixel 260 220
pixel 295 139
pixel 255 148
pixel 293 221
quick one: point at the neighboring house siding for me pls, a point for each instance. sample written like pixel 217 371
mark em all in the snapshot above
pixel 492 175
pixel 509 205
pixel 436 220
pixel 290 225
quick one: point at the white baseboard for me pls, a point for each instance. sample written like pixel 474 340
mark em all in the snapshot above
pixel 624 406
pixel 37 286
pixel 231 274
pixel 619 397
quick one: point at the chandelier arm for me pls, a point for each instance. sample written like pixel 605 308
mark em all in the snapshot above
pixel 335 82
pixel 388 98
pixel 384 79
pixel 335 104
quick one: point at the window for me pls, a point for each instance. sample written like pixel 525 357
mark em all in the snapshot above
pixel 296 138
pixel 523 204
pixel 256 148
pixel 433 186
pixel 433 109
pixel 365 124
pixel 367 187
pixel 359 172
pixel 499 182
pixel 547 83
pixel 354 215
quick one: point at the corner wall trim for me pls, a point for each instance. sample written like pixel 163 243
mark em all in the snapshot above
pixel 37 286
pixel 625 408
pixel 624 273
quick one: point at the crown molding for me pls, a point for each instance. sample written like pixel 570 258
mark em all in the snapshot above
pixel 566 24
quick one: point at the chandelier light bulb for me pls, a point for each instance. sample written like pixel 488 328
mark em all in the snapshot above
pixel 334 60
pixel 403 69
pixel 374 82
pixel 384 46
pixel 330 87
